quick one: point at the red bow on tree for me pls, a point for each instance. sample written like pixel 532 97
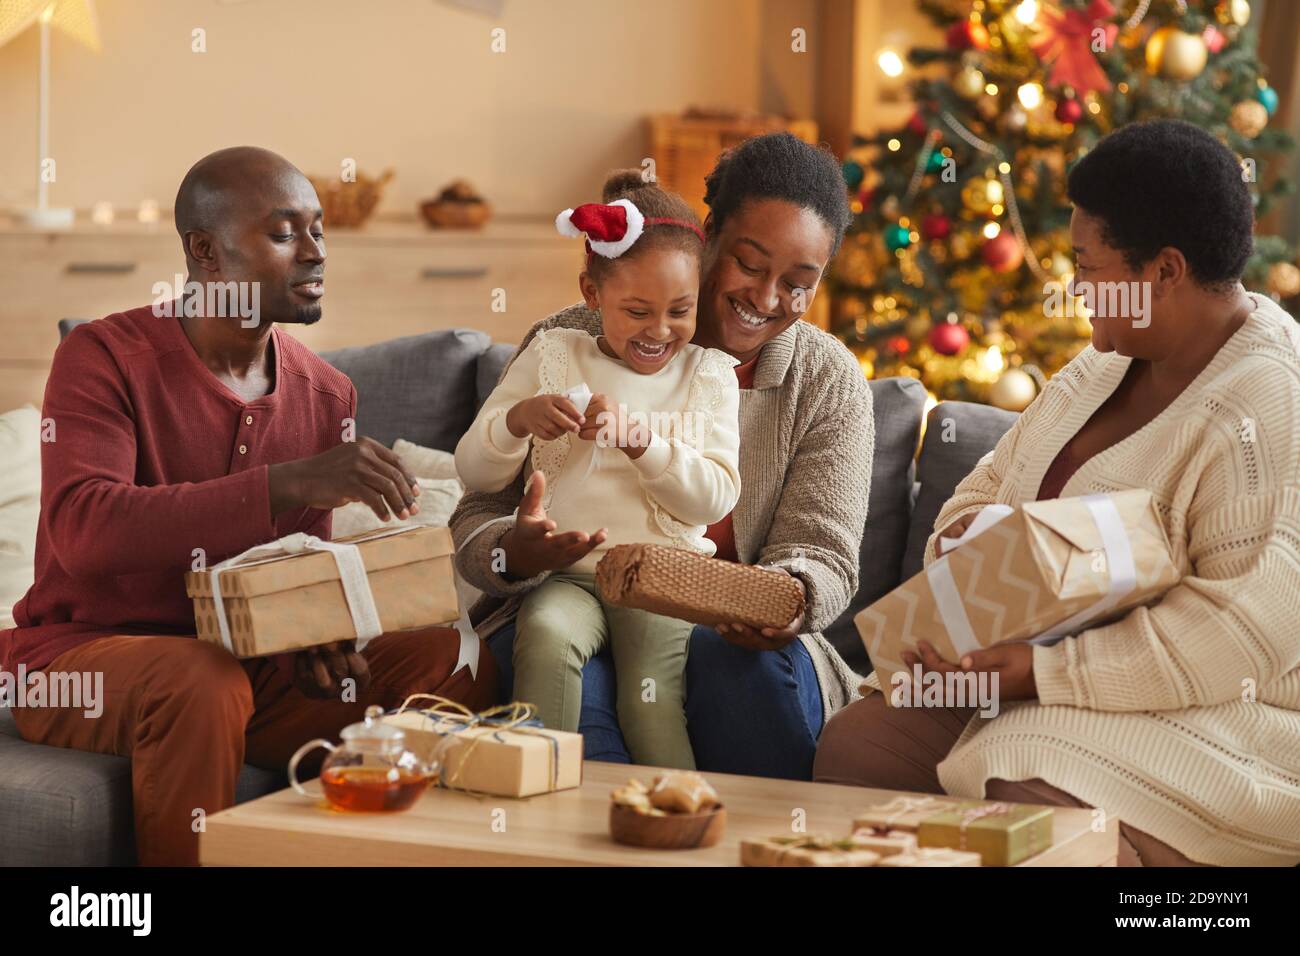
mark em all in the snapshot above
pixel 1066 43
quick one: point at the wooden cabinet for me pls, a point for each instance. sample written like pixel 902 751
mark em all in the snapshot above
pixel 386 280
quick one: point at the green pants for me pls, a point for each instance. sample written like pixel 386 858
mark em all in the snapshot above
pixel 563 624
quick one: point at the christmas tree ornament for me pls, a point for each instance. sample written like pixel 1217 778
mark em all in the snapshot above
pixel 1002 253
pixel 1175 54
pixel 949 338
pixel 897 237
pixel 1214 38
pixel 1013 390
pixel 935 226
pixel 1016 118
pixel 853 173
pixel 1267 97
pixel 935 162
pixel 1235 12
pixel 969 82
pixel 1249 117
pixel 1069 110
pixel 865 197
pixel 916 124
pixel 1283 279
pixel 1065 40
pixel 967 35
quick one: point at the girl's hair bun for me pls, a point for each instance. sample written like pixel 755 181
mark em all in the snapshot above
pixel 622 183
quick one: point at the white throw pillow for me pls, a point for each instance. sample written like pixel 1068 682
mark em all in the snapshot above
pixel 425 462
pixel 438 499
pixel 20 505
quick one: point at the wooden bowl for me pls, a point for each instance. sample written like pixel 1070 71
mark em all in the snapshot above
pixel 449 214
pixel 673 831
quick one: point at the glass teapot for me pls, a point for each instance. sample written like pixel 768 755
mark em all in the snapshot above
pixel 371 770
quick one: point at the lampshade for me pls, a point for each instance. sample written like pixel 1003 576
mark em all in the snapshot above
pixel 76 18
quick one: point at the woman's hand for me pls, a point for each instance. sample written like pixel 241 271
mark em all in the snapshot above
pixel 769 638
pixel 543 416
pixel 954 530
pixel 532 546
pixel 1013 663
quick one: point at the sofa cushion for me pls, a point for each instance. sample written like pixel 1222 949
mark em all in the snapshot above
pixel 957 435
pixel 490 366
pixel 63 807
pixel 423 388
pixel 898 403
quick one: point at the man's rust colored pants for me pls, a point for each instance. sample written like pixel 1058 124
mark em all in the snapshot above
pixel 189 715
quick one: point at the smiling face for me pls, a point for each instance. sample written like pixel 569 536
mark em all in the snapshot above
pixel 761 272
pixel 647 306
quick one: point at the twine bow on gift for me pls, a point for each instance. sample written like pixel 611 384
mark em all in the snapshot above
pixel 450 718
pixel 900 807
pixel 968 816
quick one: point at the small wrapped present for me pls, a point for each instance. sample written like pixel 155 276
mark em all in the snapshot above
pixel 932 856
pixel 1042 571
pixel 503 750
pixel 809 850
pixel 692 587
pixel 1002 834
pixel 903 813
pixel 301 591
pixel 886 843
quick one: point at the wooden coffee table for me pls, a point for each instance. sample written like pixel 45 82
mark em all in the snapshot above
pixel 569 828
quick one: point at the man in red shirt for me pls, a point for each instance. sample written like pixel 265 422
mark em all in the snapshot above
pixel 188 435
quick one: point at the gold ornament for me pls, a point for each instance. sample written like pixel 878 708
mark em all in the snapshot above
pixel 1233 12
pixel 1283 279
pixel 1249 117
pixel 981 195
pixel 1176 55
pixel 1014 390
pixel 969 82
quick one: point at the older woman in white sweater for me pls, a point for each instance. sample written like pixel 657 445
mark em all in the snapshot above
pixel 1180 720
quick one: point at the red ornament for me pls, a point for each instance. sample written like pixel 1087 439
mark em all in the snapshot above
pixel 1069 110
pixel 949 338
pixel 865 198
pixel 1002 253
pixel 935 226
pixel 916 124
pixel 900 344
pixel 968 35
pixel 1214 40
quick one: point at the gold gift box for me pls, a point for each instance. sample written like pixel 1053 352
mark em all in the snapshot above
pixel 1030 572
pixel 1002 834
pixel 806 851
pixel 293 601
pixel 518 762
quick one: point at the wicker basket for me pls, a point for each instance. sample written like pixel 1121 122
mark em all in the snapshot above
pixel 686 147
pixel 694 588
pixel 349 205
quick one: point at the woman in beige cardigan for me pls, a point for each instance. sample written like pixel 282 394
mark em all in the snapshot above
pixel 756 700
pixel 1180 720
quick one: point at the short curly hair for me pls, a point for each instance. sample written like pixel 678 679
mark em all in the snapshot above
pixel 779 166
pixel 1168 183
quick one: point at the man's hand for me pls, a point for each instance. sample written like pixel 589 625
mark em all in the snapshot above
pixel 543 416
pixel 1012 662
pixel 532 546
pixel 319 672
pixel 605 414
pixel 769 638
pixel 954 530
pixel 363 470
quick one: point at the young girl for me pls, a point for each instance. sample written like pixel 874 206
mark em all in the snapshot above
pixel 636 431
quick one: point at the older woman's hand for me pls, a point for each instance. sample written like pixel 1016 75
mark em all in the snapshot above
pixel 768 638
pixel 1013 663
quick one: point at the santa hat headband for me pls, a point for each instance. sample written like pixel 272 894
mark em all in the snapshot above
pixel 613 228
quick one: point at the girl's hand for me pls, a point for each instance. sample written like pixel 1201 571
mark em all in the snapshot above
pixel 1013 663
pixel 608 419
pixel 532 545
pixel 768 638
pixel 543 416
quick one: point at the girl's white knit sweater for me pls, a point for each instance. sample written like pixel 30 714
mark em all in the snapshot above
pixel 688 478
pixel 1183 718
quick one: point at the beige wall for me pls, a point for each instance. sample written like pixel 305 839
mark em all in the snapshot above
pixel 410 84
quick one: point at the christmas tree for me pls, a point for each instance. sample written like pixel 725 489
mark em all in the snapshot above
pixel 961 216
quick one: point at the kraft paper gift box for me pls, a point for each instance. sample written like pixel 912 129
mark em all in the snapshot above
pixel 932 856
pixel 290 594
pixel 1042 571
pixel 505 761
pixel 886 843
pixel 904 813
pixel 1002 834
pixel 808 850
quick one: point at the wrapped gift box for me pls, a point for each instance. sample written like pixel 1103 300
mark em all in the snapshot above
pixel 904 813
pixel 1048 569
pixel 886 843
pixel 932 856
pixel 806 851
pixel 284 600
pixel 484 758
pixel 1002 834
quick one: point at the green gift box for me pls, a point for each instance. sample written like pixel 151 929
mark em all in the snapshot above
pixel 1002 834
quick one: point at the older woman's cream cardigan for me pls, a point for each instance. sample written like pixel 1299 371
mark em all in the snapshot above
pixel 1183 718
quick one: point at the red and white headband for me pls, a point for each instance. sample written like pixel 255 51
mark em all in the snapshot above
pixel 612 228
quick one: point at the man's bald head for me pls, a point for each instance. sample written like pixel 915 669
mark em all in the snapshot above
pixel 221 180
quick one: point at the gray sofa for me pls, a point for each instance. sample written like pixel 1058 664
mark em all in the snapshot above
pixel 65 807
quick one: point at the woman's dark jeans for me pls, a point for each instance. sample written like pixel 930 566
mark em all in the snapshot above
pixel 750 712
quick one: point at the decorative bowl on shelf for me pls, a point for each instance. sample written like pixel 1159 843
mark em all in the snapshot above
pixel 349 204
pixel 458 206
